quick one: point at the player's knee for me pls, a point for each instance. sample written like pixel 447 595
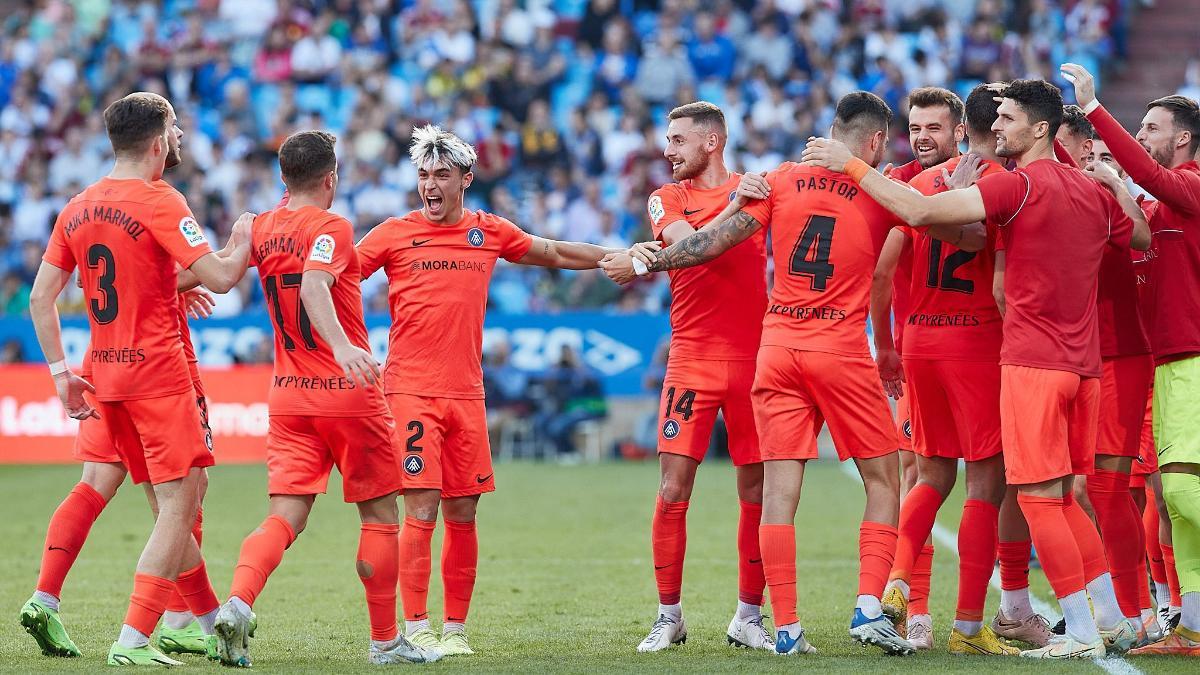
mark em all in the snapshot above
pixel 422 504
pixel 460 509
pixel 674 489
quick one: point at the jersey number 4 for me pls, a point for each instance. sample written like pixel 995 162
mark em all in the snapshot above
pixel 810 256
pixel 273 284
pixel 941 272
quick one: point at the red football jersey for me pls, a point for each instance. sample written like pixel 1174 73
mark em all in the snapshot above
pixel 827 234
pixel 127 237
pixel 437 288
pixel 954 315
pixel 716 308
pixel 1055 223
pixel 286 243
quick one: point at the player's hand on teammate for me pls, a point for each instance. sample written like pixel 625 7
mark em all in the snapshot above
pixel 70 391
pixel 752 187
pixel 1102 173
pixel 241 230
pixel 826 153
pixel 199 303
pixel 645 251
pixel 1085 84
pixel 619 267
pixel 966 174
pixel 358 364
pixel 891 372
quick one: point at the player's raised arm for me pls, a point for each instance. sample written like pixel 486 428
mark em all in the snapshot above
pixel 219 274
pixel 188 279
pixel 1108 177
pixel 952 216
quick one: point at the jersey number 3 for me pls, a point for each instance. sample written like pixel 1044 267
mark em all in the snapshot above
pixel 810 256
pixel 97 254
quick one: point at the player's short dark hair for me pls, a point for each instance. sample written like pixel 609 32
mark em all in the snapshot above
pixel 1040 100
pixel 701 113
pixel 134 120
pixel 1076 122
pixel 980 111
pixel 305 158
pixel 859 114
pixel 931 97
pixel 1184 112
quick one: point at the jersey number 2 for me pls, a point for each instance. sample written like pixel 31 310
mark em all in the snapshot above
pixel 273 284
pixel 941 273
pixel 810 256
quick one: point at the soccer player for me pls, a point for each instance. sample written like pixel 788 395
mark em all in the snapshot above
pixel 439 261
pixel 1128 370
pixel 935 128
pixel 1164 165
pixel 813 362
pixel 127 232
pixel 716 323
pixel 326 408
pixel 951 356
pixel 1050 358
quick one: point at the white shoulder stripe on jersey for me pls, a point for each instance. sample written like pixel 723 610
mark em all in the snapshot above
pixel 1028 189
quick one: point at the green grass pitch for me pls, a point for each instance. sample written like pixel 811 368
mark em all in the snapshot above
pixel 565 580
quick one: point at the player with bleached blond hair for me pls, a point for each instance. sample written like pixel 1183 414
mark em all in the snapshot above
pixel 439 261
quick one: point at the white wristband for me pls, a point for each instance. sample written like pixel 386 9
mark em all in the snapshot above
pixel 1087 109
pixel 58 368
pixel 639 267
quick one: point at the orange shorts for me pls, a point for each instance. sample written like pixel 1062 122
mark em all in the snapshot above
pixel 1047 423
pixel 1147 459
pixel 955 408
pixel 904 425
pixel 159 439
pixel 693 391
pixel 94 443
pixel 301 451
pixel 796 392
pixel 444 444
pixel 1123 386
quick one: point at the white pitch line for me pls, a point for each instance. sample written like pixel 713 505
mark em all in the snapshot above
pixel 949 542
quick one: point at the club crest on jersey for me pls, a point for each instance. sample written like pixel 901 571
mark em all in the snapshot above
pixel 190 230
pixel 732 195
pixel 414 465
pixel 322 249
pixel 475 237
pixel 670 429
pixel 907 429
pixel 656 208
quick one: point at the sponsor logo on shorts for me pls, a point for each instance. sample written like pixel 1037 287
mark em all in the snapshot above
pixel 475 237
pixel 907 429
pixel 670 429
pixel 190 230
pixel 322 250
pixel 414 465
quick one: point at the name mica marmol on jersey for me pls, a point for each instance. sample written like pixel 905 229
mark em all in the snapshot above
pixel 807 313
pixel 107 214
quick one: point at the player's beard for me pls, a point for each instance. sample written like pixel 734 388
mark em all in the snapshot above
pixel 174 156
pixel 941 155
pixel 1162 155
pixel 690 169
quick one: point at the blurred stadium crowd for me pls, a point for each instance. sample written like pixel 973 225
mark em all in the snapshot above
pixel 564 99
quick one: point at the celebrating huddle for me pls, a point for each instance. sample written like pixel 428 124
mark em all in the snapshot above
pixel 1024 342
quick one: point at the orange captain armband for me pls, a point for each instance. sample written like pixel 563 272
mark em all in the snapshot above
pixel 856 169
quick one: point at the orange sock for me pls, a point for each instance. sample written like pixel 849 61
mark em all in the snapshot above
pixel 977 540
pixel 415 541
pixel 778 546
pixel 176 603
pixel 460 557
pixel 1121 534
pixel 920 581
pixel 379 570
pixel 261 553
pixel 751 581
pixel 668 541
pixel 1168 552
pixel 1056 545
pixel 197 590
pixel 69 527
pixel 1087 538
pixel 1014 564
pixel 876 552
pixel 147 602
pixel 917 514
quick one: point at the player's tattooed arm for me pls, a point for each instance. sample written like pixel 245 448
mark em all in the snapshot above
pixel 707 243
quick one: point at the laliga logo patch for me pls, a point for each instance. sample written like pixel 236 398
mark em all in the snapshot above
pixel 190 230
pixel 322 249
pixel 414 465
pixel 907 429
pixel 475 237
pixel 656 208
pixel 670 429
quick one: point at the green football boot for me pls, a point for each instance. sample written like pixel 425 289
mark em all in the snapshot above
pixel 139 656
pixel 44 625
pixel 454 643
pixel 187 640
